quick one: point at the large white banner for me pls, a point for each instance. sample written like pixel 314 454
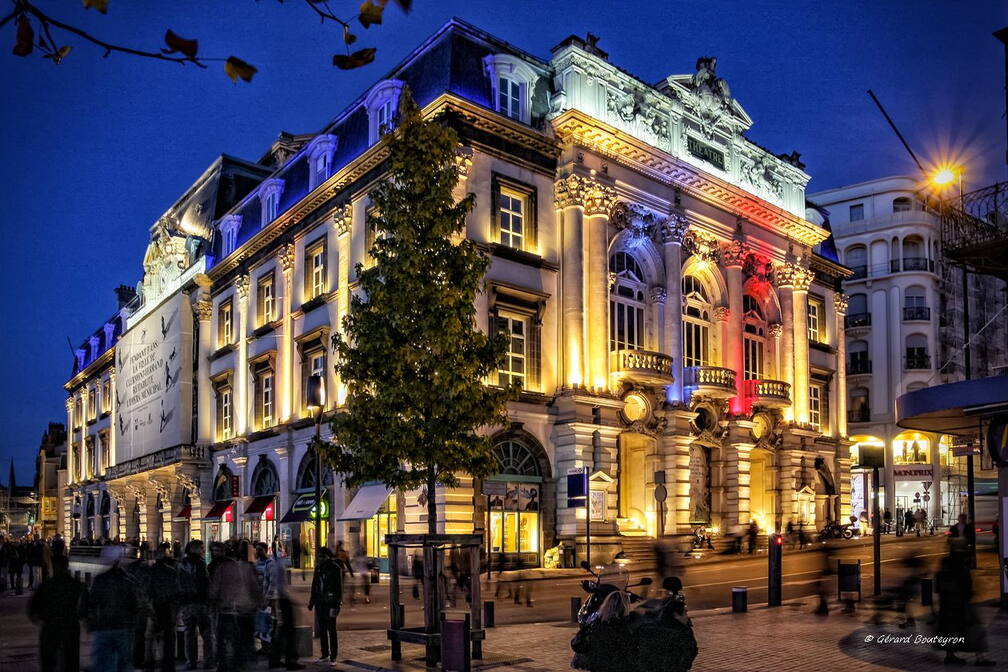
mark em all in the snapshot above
pixel 154 381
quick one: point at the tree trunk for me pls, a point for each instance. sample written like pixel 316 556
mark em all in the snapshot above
pixel 431 501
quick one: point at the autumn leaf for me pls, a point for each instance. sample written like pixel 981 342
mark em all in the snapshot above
pixel 100 5
pixel 180 45
pixel 370 13
pixel 25 41
pixel 354 60
pixel 58 56
pixel 234 67
pixel 348 37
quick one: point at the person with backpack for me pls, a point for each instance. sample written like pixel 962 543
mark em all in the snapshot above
pixel 193 586
pixel 326 599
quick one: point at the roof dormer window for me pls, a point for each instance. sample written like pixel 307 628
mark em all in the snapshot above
pixel 93 342
pixel 229 225
pixel 320 159
pixel 511 83
pixel 269 196
pixel 381 104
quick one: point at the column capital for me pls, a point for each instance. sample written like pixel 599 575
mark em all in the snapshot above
pixel 464 161
pixel 285 256
pixel 574 190
pixel 203 309
pixel 734 254
pixel 342 217
pixel 722 313
pixel 794 275
pixel 241 284
pixel 840 302
pixel 775 330
pixel 673 229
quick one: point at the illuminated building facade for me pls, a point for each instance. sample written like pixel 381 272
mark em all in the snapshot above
pixel 904 331
pixel 672 312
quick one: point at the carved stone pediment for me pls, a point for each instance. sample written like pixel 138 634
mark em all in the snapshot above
pixel 164 262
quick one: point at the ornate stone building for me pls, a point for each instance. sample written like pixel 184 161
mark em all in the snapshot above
pixel 674 318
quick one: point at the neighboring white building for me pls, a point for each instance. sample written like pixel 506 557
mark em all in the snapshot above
pixel 904 331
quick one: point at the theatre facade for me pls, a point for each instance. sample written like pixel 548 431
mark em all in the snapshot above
pixel 675 321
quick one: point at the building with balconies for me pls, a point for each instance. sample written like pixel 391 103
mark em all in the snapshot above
pixel 904 332
pixel 674 318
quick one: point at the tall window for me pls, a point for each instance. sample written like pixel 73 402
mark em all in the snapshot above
pixel 270 204
pixel 225 412
pixel 626 304
pixel 512 219
pixel 509 98
pixel 386 121
pixel 857 212
pixel 516 330
pixel 816 320
pixel 266 397
pixel 917 352
pixel 315 270
pixel 321 168
pixel 696 322
pixel 92 403
pixel 815 406
pixel 754 337
pixel 225 330
pixel 106 396
pixel 266 299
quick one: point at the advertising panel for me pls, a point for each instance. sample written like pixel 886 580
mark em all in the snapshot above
pixel 154 381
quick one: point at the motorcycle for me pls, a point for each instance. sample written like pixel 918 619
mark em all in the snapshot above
pixel 836 531
pixel 656 636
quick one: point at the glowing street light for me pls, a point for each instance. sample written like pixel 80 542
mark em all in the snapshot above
pixel 944 177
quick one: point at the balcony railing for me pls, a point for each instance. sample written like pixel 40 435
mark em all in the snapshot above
pixel 857 367
pixel 917 264
pixel 713 381
pixel 912 313
pixel 913 362
pixel 857 320
pixel 859 272
pixel 859 415
pixel 769 392
pixel 642 366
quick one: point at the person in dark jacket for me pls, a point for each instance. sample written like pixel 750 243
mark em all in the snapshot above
pixel 56 606
pixel 111 613
pixel 15 567
pixel 138 572
pixel 194 586
pixel 164 601
pixel 326 599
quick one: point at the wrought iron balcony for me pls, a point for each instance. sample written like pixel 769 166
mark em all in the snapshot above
pixel 857 320
pixel 641 366
pixel 710 381
pixel 859 415
pixel 917 264
pixel 774 393
pixel 857 367
pixel 859 272
pixel 919 313
pixel 913 362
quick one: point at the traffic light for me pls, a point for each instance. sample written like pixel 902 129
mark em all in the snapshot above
pixel 774 573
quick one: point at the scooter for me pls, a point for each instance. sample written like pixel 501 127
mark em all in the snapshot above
pixel 836 531
pixel 598 590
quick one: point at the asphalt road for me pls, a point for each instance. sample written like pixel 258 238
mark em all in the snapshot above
pixel 708 586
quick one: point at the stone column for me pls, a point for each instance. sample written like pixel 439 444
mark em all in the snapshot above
pixel 569 201
pixel 240 462
pixel 657 297
pixel 676 448
pixel 113 455
pixel 787 346
pixel 673 229
pixel 203 309
pixel 242 412
pixel 800 389
pixel 285 363
pixel 71 472
pixel 722 316
pixel 342 222
pixel 598 201
pixel 840 309
pixel 732 257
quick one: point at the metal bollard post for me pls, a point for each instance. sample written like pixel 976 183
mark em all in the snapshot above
pixel 575 607
pixel 739 599
pixel 488 614
pixel 927 592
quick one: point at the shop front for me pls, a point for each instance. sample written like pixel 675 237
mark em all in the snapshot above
pixel 374 508
pixel 183 516
pixel 862 489
pixel 219 521
pixel 299 527
pixel 514 525
pixel 260 511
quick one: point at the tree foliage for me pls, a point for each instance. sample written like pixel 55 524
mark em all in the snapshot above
pixel 412 358
pixel 28 18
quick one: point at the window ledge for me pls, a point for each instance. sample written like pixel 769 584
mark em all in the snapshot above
pixel 264 433
pixel 221 351
pixel 104 415
pixel 520 256
pixel 312 304
pixel 824 347
pixel 91 421
pixel 265 329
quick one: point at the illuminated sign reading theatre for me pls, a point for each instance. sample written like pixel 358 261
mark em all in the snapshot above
pixel 705 152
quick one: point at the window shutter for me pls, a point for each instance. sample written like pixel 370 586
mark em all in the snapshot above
pixel 534 356
pixel 495 210
pixel 220 413
pixel 258 399
pixel 531 224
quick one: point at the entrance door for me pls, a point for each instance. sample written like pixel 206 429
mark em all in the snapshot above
pixel 633 483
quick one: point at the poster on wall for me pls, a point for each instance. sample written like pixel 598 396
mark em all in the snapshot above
pixel 511 497
pixel 528 497
pixel 154 381
pixel 596 505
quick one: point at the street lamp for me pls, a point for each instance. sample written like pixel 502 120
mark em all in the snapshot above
pixel 316 404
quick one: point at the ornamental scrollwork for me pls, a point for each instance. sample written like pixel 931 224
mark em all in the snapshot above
pixel 242 286
pixel 701 245
pixel 793 274
pixel 286 257
pixel 342 218
pixel 734 253
pixel 840 303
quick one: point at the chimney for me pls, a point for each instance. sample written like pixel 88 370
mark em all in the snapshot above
pixel 125 294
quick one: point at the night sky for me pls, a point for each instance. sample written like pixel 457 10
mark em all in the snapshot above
pixel 95 150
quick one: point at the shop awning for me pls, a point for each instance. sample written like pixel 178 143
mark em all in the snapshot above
pixel 218 510
pixel 185 513
pixel 258 505
pixel 366 502
pixel 302 508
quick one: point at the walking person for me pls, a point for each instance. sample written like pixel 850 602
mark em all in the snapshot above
pixel 752 534
pixel 326 599
pixel 5 547
pixel 277 594
pixel 361 567
pixel 138 573
pixel 234 596
pixel 164 599
pixel 15 567
pixel 194 584
pixel 111 611
pixel 957 618
pixel 56 606
pixel 886 521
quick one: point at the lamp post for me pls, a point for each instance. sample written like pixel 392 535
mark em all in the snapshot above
pixel 316 403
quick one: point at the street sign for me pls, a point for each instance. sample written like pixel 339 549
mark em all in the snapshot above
pixel 577 488
pixel 494 488
pixel 660 493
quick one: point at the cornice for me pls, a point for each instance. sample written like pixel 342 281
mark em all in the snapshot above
pixel 576 127
pixel 91 370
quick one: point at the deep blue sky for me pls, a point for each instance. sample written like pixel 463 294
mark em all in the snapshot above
pixel 96 149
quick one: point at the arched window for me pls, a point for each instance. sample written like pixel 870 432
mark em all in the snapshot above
pixel 902 204
pixel 914 254
pixel 860 408
pixel 915 304
pixel 90 511
pixel 696 322
pixel 626 304
pixel 222 485
pixel 754 337
pixel 858 360
pixel 515 458
pixel 856 258
pixel 306 473
pixel 917 352
pixel 264 479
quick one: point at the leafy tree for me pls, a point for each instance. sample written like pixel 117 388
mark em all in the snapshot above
pixel 30 18
pixel 412 358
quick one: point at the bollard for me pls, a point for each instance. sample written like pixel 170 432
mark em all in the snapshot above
pixel 739 599
pixel 488 614
pixel 575 605
pixel 927 592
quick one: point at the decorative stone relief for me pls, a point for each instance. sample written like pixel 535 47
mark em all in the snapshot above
pixel 203 309
pixel 342 218
pixel 701 245
pixel 758 173
pixel 722 313
pixel 840 303
pixel 712 97
pixel 658 294
pixel 594 197
pixel 464 161
pixel 775 330
pixel 757 266
pixel 286 257
pixel 673 229
pixel 733 253
pixel 242 286
pixel 793 274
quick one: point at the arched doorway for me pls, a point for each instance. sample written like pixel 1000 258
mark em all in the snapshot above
pixel 260 513
pixel 762 496
pixel 303 532
pixel 825 493
pixel 220 519
pixel 516 517
pixel 636 513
